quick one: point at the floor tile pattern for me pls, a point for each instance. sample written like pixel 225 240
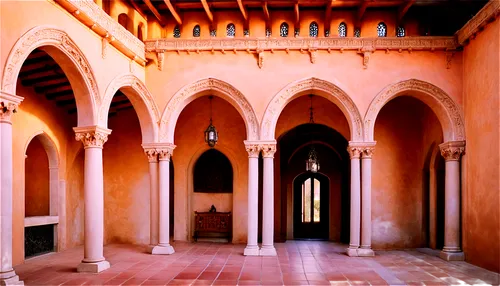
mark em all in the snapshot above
pixel 297 263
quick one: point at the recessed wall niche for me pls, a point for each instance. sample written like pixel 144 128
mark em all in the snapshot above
pixel 213 173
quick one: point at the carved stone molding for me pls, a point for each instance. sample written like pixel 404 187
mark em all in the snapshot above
pixel 268 150
pixel 364 46
pixel 453 150
pixel 452 121
pixel 92 136
pixel 486 15
pixel 368 148
pixel 165 154
pixel 91 15
pixel 8 105
pixel 333 93
pixel 42 36
pixel 161 57
pixel 253 149
pixel 219 88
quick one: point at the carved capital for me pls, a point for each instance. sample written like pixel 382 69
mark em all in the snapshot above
pixel 367 152
pixel 152 155
pixel 268 150
pixel 253 150
pixel 8 105
pixel 453 150
pixel 165 151
pixel 92 136
pixel 354 151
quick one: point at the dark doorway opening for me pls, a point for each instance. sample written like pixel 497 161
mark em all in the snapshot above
pixel 311 206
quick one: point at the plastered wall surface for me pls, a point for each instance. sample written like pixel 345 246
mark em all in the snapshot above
pixel 37 194
pixel 481 218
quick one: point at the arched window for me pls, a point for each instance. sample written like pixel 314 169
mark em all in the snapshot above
pixel 400 31
pixel 313 29
pixel 196 31
pixel 357 32
pixel 381 29
pixel 177 32
pixel 284 29
pixel 140 31
pixel 124 20
pixel 230 30
pixel 342 30
pixel 213 173
pixel 268 32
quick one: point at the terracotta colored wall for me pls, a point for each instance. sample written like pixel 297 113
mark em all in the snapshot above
pixel 481 218
pixel 397 174
pixel 75 204
pixel 36 188
pixel 126 182
pixel 189 138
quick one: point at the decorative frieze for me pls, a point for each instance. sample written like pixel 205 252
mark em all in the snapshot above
pixel 486 15
pixel 453 150
pixel 92 137
pixel 365 46
pixel 91 15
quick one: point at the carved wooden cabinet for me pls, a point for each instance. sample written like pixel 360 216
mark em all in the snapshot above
pixel 213 224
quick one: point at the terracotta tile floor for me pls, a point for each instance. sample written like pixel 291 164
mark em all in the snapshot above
pixel 297 263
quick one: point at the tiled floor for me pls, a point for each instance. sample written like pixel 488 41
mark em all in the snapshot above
pixel 297 263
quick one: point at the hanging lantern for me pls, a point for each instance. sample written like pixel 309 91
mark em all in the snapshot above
pixel 312 162
pixel 211 135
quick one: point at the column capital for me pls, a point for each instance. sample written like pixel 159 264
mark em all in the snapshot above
pixel 253 148
pixel 92 136
pixel 452 150
pixel 268 149
pixel 368 150
pixel 8 105
pixel 165 151
pixel 152 154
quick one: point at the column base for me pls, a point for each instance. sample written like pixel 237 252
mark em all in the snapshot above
pixel 268 251
pixel 353 252
pixel 251 251
pixel 452 256
pixel 365 252
pixel 10 278
pixel 162 250
pixel 93 267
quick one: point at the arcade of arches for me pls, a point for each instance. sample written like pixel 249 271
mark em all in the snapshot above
pixel 406 133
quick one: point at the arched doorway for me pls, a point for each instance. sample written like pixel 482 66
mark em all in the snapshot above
pixel 311 206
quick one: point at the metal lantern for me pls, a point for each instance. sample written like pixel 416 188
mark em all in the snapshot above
pixel 312 162
pixel 211 135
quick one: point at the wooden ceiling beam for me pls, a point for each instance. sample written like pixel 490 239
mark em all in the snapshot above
pixel 55 95
pixel 403 9
pixel 52 86
pixel 243 12
pixel 138 9
pixel 207 10
pixel 42 79
pixel 266 12
pixel 328 15
pixel 297 14
pixel 159 17
pixel 361 11
pixel 174 13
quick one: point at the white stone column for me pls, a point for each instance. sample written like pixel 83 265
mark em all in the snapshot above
pixel 253 198
pixel 93 139
pixel 267 248
pixel 354 153
pixel 152 155
pixel 164 246
pixel 366 200
pixel 8 106
pixel 452 152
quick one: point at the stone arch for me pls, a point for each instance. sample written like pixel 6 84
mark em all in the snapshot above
pixel 447 111
pixel 198 89
pixel 66 53
pixel 49 146
pixel 142 101
pixel 319 87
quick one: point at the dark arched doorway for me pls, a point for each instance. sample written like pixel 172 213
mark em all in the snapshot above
pixel 311 206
